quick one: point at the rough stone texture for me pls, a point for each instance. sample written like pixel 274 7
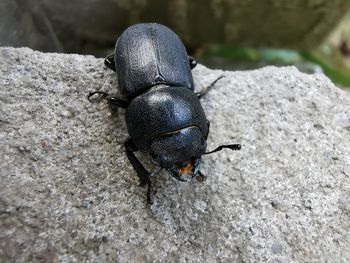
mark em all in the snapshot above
pixel 68 193
pixel 86 26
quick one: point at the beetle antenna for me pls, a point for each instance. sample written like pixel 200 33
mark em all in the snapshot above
pixel 234 147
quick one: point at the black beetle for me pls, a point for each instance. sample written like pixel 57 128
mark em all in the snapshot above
pixel 163 114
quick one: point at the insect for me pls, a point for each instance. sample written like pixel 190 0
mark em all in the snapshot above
pixel 164 116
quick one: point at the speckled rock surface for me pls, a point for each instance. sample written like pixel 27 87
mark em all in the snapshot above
pixel 68 193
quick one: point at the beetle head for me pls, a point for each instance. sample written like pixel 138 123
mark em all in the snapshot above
pixel 180 151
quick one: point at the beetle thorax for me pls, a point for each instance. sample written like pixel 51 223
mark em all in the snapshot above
pixel 163 110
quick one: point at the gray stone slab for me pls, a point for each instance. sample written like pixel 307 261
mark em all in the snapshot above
pixel 69 194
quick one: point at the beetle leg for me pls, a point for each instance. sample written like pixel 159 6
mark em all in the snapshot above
pixel 109 62
pixel 206 90
pixel 140 170
pixel 192 61
pixel 149 193
pixel 101 95
pixel 115 102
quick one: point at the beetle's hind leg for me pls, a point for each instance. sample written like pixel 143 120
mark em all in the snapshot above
pixel 140 170
pixel 110 63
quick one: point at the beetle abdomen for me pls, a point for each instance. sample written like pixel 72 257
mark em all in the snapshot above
pixel 163 110
pixel 150 54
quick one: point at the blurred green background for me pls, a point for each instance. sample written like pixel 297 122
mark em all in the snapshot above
pixel 313 35
pixel 331 57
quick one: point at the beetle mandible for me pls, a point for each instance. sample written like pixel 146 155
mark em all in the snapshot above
pixel 163 115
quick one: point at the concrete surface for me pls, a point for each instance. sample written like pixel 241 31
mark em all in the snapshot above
pixel 68 193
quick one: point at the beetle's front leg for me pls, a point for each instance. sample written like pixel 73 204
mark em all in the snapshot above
pixel 140 170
